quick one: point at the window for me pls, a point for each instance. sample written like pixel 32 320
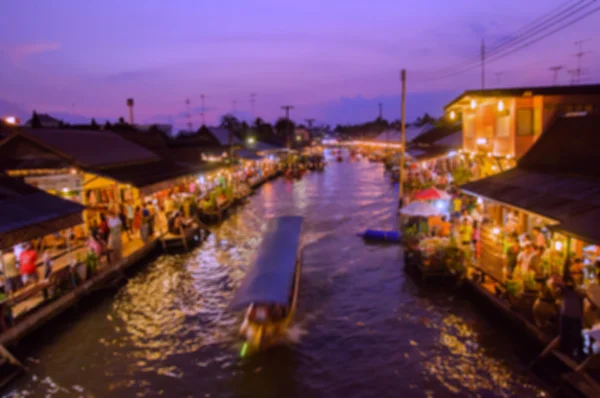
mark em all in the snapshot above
pixel 469 123
pixel 503 126
pixel 524 122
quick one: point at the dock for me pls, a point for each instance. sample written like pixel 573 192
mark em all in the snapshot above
pixel 32 319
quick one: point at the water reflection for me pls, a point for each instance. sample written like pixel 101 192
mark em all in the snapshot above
pixel 363 328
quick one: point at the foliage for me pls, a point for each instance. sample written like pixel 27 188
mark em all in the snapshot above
pixel 514 288
pixel 529 281
pixel 424 120
pixel 284 127
pixel 230 122
pixel 35 120
pixel 91 261
pixel 461 175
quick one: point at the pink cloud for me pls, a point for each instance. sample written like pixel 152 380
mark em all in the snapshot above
pixel 20 51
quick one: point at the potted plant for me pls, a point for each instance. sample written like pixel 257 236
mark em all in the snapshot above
pixel 514 290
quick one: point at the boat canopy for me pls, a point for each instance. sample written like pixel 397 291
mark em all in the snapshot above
pixel 271 275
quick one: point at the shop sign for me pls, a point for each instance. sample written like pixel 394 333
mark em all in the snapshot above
pixel 56 183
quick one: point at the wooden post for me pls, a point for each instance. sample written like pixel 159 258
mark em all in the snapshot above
pixel 183 239
pixel 402 137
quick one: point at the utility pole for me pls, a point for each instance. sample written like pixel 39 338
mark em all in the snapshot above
pixel 555 69
pixel 579 54
pixel 130 106
pixel 252 99
pixel 573 74
pixel 380 110
pixel 309 122
pixel 402 137
pixel 203 109
pixel 482 64
pixel 189 115
pixel 287 109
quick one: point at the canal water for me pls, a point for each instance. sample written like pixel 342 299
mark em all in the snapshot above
pixel 363 328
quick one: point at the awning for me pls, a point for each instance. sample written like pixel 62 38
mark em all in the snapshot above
pixel 149 177
pixel 422 153
pixel 573 201
pixel 247 154
pixel 28 213
pixel 271 275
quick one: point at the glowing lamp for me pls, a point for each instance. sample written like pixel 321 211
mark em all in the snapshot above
pixel 558 245
pixel 65 190
pixel 439 204
pixel 500 106
pixel 481 141
pixel 73 171
pixel 479 201
pixel 251 140
pixel 473 104
pixel 452 115
pixel 496 231
pixel 298 138
pixel 451 154
pixel 10 120
pixel 495 168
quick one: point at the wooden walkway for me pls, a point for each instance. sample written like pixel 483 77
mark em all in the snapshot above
pixel 28 317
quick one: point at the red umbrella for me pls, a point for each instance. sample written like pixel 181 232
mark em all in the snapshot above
pixel 431 194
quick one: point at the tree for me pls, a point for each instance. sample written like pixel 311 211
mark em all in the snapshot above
pixel 284 127
pixel 121 120
pixel 35 120
pixel 258 123
pixel 230 122
pixel 94 124
pixel 107 125
pixel 423 120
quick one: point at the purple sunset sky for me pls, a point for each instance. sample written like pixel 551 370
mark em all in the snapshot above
pixel 333 60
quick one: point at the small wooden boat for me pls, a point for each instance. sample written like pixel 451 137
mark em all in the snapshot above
pixel 269 293
pixel 188 237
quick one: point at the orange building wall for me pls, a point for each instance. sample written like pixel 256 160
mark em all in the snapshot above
pixel 544 108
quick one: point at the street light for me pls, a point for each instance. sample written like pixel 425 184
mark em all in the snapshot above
pixel 11 120
pixel 251 140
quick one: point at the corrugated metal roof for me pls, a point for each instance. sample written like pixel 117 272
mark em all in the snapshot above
pixel 593 89
pixel 27 212
pixel 141 175
pixel 90 148
pixel 222 135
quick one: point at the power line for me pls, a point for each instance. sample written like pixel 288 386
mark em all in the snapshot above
pixel 287 109
pixel 555 69
pixel 537 24
pixel 579 54
pixel 482 64
pixel 252 99
pixel 189 114
pixel 203 108
pixel 525 45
